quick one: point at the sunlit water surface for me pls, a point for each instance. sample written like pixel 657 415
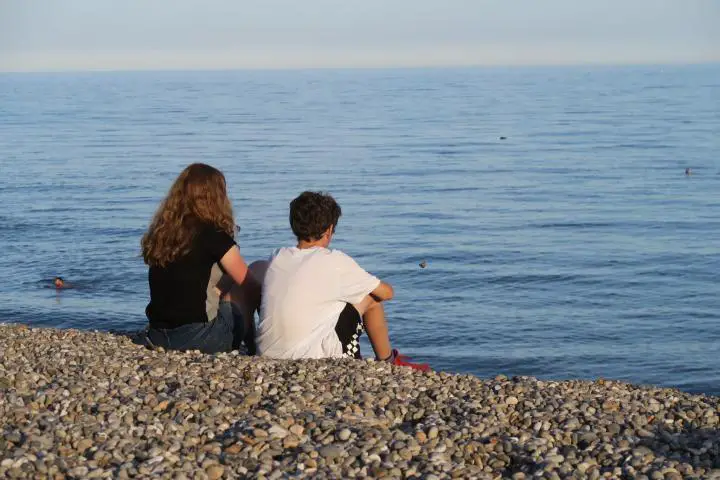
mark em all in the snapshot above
pixel 575 247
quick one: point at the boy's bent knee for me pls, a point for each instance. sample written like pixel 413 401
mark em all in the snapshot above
pixel 366 304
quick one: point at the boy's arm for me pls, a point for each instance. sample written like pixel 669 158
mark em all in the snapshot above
pixel 383 292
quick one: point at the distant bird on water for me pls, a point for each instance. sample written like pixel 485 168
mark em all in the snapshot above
pixel 503 138
pixel 688 171
pixel 423 264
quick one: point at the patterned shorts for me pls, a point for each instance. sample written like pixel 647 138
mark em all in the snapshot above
pixel 349 327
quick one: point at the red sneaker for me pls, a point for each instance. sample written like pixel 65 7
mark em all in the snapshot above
pixel 404 361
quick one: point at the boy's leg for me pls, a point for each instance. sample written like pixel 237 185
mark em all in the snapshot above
pixel 373 315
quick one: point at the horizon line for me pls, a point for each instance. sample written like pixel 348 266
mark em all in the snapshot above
pixel 293 68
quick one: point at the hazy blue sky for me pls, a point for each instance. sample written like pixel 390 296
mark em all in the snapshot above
pixel 138 34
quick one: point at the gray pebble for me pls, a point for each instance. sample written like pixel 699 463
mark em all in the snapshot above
pixel 331 451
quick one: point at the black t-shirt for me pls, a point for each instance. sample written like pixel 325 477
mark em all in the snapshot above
pixel 178 291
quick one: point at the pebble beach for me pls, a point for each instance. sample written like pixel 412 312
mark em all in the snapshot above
pixel 79 404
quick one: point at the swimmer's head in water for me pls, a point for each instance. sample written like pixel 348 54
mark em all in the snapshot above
pixel 59 282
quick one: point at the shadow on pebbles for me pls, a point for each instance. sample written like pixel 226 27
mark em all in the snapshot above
pixel 95 405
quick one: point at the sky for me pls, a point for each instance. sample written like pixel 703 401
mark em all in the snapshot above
pixel 59 35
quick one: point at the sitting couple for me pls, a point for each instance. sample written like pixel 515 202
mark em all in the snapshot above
pixel 313 302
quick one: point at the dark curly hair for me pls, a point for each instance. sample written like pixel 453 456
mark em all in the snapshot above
pixel 312 213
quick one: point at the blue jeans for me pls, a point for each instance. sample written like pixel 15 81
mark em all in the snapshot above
pixel 222 334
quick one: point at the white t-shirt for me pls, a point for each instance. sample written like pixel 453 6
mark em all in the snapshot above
pixel 303 294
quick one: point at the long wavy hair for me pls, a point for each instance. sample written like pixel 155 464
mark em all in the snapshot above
pixel 198 197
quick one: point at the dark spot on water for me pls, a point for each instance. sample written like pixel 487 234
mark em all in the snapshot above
pixel 503 138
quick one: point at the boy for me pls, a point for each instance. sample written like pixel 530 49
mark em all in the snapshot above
pixel 313 298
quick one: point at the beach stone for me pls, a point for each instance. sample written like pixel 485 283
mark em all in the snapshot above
pixel 84 444
pixel 610 405
pixel 260 433
pixel 79 472
pixel 614 429
pixel 331 451
pixel 13 437
pixel 588 438
pixel 214 472
pixel 252 398
pixel 277 432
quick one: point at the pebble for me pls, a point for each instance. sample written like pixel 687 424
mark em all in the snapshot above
pixel 331 451
pixel 277 432
pixel 94 405
pixel 84 445
pixel 214 471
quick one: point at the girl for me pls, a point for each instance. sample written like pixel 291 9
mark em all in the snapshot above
pixel 191 231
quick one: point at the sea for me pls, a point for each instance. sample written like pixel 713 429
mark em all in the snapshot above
pixel 560 234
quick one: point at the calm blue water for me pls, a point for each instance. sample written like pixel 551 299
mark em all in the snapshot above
pixel 576 247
